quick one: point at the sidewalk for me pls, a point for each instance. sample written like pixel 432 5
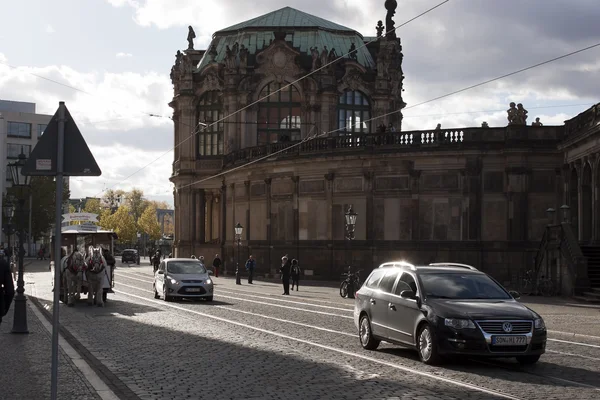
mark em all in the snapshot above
pixel 26 359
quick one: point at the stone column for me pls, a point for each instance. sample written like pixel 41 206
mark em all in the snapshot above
pixel 474 199
pixel 296 211
pixel 209 198
pixel 223 220
pixel 269 232
pixel 369 189
pixel 247 229
pixel 330 183
pixel 415 176
pixel 200 216
pixel 518 197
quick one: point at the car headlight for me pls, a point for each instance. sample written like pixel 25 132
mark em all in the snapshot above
pixel 173 281
pixel 539 324
pixel 208 282
pixel 459 323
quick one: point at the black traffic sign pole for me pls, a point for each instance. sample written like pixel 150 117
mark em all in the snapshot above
pixel 57 247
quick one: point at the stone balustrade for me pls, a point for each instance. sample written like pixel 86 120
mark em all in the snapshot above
pixel 444 139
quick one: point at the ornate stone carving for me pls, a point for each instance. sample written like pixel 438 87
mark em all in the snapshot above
pixel 243 57
pixel 231 57
pixel 311 186
pixel 190 38
pixel 212 53
pixel 315 58
pixel 517 115
pixel 278 59
pixel 390 6
pixel 379 28
pixel 329 176
pixel 212 82
pixel 348 184
pixel 268 181
pixel 352 79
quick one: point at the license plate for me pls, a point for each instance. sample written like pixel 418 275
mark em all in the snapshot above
pixel 192 289
pixel 509 340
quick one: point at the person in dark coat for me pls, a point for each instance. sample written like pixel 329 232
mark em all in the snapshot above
pixel 250 266
pixel 7 287
pixel 216 265
pixel 295 274
pixel 286 271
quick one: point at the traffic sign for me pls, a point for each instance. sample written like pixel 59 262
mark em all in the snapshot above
pixel 78 159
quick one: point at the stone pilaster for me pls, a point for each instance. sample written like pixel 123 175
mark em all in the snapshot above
pixel 223 220
pixel 269 219
pixel 415 176
pixel 330 180
pixel 369 193
pixel 474 195
pixel 296 211
pixel 518 203
pixel 247 219
pixel 208 237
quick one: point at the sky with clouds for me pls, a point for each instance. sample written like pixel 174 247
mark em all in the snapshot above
pixel 118 54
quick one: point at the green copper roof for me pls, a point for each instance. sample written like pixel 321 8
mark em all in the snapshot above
pixel 289 18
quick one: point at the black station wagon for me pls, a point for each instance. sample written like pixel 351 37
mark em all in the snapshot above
pixel 443 309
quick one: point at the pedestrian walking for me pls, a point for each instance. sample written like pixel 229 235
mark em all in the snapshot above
pixel 7 287
pixel 285 270
pixel 250 265
pixel 216 265
pixel 295 274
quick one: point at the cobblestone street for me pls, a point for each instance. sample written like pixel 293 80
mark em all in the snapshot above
pixel 253 343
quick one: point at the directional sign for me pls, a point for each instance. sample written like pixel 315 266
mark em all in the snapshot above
pixel 78 159
pixel 81 217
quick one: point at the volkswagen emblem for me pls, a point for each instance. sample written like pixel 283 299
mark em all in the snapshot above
pixel 507 327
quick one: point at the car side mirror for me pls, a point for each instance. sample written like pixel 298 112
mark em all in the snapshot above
pixel 160 272
pixel 515 295
pixel 407 294
pixel 210 272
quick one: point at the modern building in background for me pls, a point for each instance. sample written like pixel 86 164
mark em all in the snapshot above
pixel 20 129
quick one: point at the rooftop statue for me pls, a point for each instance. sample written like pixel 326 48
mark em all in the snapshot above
pixel 522 114
pixel 352 52
pixel 537 122
pixel 190 38
pixel 512 114
pixel 390 6
pixel 379 28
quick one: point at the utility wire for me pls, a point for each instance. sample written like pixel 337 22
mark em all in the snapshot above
pixel 206 126
pixel 387 114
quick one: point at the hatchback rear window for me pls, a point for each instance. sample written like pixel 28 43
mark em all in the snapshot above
pixel 374 278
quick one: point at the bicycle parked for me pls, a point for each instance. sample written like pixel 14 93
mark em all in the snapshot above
pixel 529 286
pixel 351 284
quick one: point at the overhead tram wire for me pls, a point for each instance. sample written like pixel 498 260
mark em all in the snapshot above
pixel 206 126
pixel 387 114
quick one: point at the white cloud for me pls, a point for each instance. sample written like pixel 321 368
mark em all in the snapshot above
pixel 124 55
pixel 50 29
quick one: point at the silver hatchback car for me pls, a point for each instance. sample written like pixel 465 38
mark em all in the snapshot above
pixel 182 277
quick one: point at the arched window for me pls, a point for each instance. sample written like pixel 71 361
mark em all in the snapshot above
pixel 279 115
pixel 210 138
pixel 354 113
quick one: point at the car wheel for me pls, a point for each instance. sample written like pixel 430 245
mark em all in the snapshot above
pixel 528 360
pixel 344 289
pixel 366 335
pixel 156 295
pixel 210 298
pixel 427 347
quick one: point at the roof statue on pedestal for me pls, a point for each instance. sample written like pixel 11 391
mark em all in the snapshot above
pixel 190 38
pixel 379 28
pixel 390 6
pixel 537 122
pixel 512 114
pixel 352 52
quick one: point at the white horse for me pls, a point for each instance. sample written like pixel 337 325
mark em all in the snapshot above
pixel 96 267
pixel 72 269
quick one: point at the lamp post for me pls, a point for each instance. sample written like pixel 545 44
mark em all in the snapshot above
pixel 565 211
pixel 238 236
pixel 8 210
pixel 21 183
pixel 551 213
pixel 350 225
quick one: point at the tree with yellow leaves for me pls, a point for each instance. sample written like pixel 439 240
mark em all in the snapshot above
pixel 122 223
pixel 148 223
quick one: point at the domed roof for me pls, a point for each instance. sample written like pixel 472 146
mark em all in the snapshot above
pixel 303 31
pixel 287 17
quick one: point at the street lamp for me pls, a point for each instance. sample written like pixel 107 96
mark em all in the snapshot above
pixel 8 210
pixel 21 183
pixel 551 212
pixel 238 236
pixel 565 211
pixel 350 225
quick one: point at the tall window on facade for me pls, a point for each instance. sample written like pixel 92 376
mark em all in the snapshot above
pixel 354 113
pixel 19 129
pixel 13 150
pixel 279 115
pixel 210 138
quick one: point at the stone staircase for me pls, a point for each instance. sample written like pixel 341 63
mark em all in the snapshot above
pixel 592 253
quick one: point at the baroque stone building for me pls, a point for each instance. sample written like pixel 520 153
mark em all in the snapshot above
pixel 305 141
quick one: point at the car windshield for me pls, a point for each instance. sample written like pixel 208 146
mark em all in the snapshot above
pixel 185 267
pixel 461 286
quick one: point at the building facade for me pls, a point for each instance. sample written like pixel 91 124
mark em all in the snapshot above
pixel 299 152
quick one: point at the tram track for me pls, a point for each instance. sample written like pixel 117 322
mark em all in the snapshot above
pixel 380 357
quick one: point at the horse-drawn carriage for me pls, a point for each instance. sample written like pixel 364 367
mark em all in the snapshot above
pixel 84 268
